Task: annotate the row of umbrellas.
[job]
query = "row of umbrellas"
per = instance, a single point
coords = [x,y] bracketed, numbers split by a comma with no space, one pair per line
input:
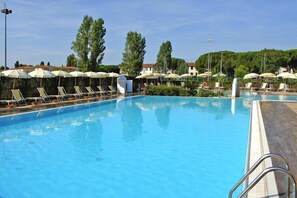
[284,75]
[40,73]
[157,75]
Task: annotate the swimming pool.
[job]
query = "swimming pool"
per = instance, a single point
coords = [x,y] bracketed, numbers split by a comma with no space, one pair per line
[132,147]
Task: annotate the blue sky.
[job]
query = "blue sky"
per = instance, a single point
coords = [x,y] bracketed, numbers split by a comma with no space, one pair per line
[40,30]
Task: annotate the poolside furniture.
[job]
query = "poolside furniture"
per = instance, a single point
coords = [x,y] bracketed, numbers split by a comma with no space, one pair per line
[270,88]
[103,91]
[80,92]
[19,98]
[217,86]
[263,87]
[92,92]
[247,86]
[43,94]
[282,87]
[112,89]
[62,92]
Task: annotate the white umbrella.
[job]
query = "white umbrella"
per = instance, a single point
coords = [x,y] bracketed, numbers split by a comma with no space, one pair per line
[102,75]
[286,75]
[186,76]
[204,75]
[77,74]
[61,73]
[92,75]
[251,75]
[40,73]
[219,75]
[173,76]
[113,75]
[267,75]
[15,73]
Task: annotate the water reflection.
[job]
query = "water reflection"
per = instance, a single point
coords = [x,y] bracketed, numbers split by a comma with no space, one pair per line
[132,121]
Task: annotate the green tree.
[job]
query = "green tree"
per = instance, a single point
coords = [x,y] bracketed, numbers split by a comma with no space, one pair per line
[164,60]
[89,43]
[42,63]
[133,55]
[240,71]
[182,67]
[109,68]
[17,64]
[48,64]
[71,60]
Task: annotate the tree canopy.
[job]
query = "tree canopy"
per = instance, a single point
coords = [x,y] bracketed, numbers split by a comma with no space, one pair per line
[164,61]
[133,55]
[267,60]
[71,60]
[89,43]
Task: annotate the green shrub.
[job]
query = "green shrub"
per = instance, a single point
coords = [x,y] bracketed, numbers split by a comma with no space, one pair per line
[209,93]
[164,90]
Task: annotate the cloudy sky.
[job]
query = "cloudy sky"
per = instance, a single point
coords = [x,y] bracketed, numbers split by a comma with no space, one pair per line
[42,30]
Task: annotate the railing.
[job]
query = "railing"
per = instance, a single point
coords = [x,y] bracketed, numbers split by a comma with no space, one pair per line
[262,174]
[256,94]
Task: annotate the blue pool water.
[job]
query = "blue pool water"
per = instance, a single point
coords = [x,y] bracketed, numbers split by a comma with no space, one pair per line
[134,147]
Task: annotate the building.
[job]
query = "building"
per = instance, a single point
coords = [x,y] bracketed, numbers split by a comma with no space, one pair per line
[147,69]
[192,69]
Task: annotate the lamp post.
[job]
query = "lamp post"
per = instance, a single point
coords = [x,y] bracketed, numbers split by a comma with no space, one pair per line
[5,11]
[209,41]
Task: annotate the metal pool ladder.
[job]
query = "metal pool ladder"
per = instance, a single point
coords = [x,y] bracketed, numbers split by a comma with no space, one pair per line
[263,173]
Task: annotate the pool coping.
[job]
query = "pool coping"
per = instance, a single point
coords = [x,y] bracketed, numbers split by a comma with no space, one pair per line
[258,146]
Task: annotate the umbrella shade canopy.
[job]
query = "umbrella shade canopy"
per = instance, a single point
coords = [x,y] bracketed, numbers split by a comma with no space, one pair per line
[219,75]
[173,76]
[92,74]
[286,75]
[61,73]
[204,75]
[267,75]
[186,76]
[78,74]
[145,76]
[16,73]
[102,74]
[113,75]
[40,73]
[251,76]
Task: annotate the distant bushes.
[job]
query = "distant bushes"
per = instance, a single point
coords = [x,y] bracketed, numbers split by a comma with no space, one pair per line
[163,90]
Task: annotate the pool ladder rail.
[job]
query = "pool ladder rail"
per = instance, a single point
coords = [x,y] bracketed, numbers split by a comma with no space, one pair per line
[285,171]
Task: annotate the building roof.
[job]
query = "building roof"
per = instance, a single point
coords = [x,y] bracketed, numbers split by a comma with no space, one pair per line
[148,65]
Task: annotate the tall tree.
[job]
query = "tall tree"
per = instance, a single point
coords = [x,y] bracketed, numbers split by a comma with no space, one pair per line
[89,43]
[42,63]
[17,64]
[48,64]
[164,61]
[133,55]
[71,60]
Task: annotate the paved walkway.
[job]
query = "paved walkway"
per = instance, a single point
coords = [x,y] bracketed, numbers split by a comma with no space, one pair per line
[280,121]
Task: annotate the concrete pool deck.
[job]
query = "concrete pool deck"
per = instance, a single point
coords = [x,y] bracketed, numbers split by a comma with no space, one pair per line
[273,129]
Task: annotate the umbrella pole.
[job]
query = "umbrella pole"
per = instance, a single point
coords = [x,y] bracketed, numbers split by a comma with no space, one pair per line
[59,81]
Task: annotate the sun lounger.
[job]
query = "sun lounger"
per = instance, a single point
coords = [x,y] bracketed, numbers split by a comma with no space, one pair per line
[62,92]
[217,86]
[102,90]
[45,96]
[112,89]
[263,87]
[19,98]
[80,92]
[91,91]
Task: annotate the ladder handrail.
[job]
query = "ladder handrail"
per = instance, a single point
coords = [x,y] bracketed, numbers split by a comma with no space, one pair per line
[256,94]
[266,171]
[258,162]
